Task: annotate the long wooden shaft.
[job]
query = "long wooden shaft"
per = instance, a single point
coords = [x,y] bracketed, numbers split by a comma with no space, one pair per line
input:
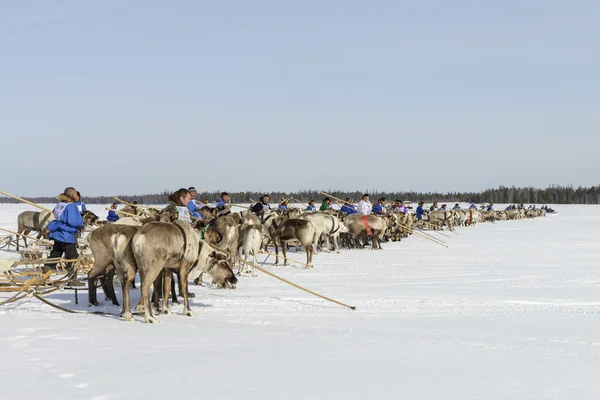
[124,213]
[423,236]
[133,205]
[282,279]
[20,234]
[433,226]
[338,199]
[303,204]
[25,201]
[285,258]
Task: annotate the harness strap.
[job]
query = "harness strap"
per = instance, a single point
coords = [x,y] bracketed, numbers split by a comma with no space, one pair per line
[333,221]
[184,240]
[365,222]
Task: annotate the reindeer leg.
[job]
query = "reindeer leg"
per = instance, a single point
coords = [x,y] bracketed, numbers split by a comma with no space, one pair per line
[148,279]
[109,287]
[184,285]
[173,291]
[167,280]
[284,251]
[126,278]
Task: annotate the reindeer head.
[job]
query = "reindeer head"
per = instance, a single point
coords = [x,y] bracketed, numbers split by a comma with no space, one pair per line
[169,214]
[221,272]
[89,218]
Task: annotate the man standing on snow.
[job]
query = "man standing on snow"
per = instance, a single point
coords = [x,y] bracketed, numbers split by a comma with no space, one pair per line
[420,211]
[63,230]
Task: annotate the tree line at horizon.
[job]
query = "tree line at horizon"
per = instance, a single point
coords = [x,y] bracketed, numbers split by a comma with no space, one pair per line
[506,195]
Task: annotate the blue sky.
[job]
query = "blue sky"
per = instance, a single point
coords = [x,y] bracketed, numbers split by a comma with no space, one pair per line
[142,96]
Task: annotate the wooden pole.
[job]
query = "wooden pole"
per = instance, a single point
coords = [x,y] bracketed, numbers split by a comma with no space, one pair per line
[25,201]
[124,213]
[420,234]
[134,205]
[431,236]
[433,226]
[441,233]
[303,204]
[285,258]
[338,199]
[46,261]
[20,234]
[282,279]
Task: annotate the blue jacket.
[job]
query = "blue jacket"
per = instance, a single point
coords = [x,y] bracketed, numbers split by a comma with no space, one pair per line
[81,206]
[311,208]
[473,207]
[220,202]
[282,207]
[194,209]
[490,208]
[112,216]
[66,225]
[348,209]
[377,208]
[420,213]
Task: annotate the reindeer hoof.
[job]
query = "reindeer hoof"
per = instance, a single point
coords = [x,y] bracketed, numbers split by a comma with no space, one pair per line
[139,308]
[190,313]
[254,275]
[286,264]
[165,311]
[127,317]
[191,295]
[150,320]
[95,304]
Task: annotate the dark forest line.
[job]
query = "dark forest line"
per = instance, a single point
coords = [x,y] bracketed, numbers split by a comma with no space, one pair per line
[527,195]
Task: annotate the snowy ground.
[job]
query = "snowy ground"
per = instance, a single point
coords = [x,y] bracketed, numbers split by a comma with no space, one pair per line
[510,311]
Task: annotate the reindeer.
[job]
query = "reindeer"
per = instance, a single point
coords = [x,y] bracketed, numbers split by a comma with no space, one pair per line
[102,245]
[33,221]
[251,238]
[175,246]
[356,226]
[295,229]
[326,226]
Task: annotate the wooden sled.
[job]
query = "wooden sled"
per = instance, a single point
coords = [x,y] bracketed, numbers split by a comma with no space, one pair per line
[25,278]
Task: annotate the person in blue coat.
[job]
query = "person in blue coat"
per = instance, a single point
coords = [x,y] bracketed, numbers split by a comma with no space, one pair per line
[491,207]
[193,204]
[283,205]
[348,207]
[112,213]
[473,206]
[420,211]
[223,200]
[311,206]
[80,204]
[379,207]
[63,230]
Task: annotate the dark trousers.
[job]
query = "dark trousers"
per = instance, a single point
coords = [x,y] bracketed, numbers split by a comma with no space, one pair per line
[68,249]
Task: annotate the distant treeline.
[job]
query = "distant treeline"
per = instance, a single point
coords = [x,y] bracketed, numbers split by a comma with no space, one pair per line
[528,195]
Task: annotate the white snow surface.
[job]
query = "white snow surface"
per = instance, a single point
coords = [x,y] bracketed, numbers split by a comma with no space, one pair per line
[510,310]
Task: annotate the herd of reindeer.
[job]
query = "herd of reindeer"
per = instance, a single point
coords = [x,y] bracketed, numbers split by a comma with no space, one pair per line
[156,244]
